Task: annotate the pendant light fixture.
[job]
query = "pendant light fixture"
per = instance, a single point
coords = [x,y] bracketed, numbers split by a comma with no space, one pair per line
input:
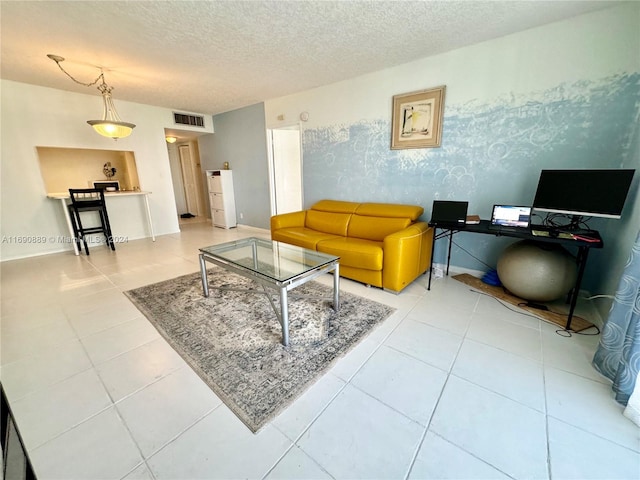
[110,126]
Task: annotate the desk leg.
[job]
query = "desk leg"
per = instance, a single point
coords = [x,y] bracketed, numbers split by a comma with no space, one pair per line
[433,247]
[582,263]
[63,202]
[449,253]
[146,205]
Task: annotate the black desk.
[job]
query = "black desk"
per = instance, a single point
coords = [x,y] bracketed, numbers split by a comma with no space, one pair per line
[583,246]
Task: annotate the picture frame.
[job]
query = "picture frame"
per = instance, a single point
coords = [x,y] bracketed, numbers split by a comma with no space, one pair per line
[417,119]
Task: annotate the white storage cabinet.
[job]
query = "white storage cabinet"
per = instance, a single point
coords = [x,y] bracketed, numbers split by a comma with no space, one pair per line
[221,198]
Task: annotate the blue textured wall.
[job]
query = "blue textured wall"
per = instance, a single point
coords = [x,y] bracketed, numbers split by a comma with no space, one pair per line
[490,153]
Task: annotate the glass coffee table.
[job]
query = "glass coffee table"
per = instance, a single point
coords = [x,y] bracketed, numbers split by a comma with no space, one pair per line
[274,265]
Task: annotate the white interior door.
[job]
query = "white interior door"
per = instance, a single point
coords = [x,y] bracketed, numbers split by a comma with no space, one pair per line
[285,169]
[189,180]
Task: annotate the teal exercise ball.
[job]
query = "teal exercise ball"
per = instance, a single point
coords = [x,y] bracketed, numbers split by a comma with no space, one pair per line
[537,271]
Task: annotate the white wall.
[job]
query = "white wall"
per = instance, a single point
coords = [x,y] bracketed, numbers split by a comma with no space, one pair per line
[520,64]
[36,116]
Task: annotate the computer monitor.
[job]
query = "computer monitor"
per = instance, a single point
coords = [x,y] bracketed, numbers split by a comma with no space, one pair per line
[591,193]
[104,184]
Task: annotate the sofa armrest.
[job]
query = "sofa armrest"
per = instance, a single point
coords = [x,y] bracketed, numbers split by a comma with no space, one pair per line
[407,254]
[287,220]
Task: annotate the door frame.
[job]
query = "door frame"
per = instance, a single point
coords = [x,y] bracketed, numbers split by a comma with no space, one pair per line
[190,195]
[271,163]
[190,162]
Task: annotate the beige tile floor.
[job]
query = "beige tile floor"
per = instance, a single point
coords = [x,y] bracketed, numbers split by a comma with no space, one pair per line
[453,385]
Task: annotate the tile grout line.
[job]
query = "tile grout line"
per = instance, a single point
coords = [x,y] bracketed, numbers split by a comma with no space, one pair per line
[145,459]
[113,404]
[435,407]
[331,400]
[546,409]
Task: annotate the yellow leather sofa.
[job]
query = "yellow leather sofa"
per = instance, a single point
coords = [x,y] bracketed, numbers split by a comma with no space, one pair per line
[379,244]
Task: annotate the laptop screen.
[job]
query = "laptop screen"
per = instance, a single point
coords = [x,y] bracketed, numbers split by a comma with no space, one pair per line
[511,216]
[449,211]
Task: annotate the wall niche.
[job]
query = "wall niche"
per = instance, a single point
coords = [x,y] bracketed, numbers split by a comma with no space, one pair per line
[65,168]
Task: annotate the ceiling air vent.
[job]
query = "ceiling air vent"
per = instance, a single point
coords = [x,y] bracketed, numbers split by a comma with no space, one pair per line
[192,120]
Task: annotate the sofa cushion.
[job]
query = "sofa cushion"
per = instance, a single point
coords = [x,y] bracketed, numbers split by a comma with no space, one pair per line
[375,228]
[390,210]
[336,206]
[354,252]
[286,220]
[327,222]
[300,236]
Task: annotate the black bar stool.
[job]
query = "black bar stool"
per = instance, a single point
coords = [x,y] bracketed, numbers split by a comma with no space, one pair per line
[89,200]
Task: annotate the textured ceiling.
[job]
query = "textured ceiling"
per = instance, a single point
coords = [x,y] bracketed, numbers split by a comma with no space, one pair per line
[215,56]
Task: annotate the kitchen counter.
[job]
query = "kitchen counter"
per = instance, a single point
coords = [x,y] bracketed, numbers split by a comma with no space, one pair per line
[63,197]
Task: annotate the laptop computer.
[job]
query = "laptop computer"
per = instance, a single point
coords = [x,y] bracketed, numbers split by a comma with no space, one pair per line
[510,218]
[447,212]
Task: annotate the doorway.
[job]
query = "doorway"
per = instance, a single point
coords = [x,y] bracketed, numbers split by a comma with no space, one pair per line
[285,169]
[188,181]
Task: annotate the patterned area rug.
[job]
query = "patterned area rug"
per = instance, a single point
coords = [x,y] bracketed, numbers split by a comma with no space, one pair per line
[233,339]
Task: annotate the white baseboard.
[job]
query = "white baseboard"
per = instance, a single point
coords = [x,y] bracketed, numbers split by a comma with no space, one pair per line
[453,270]
[261,231]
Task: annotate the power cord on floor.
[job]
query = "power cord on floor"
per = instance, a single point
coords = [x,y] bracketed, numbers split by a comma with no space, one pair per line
[570,333]
[561,331]
[593,297]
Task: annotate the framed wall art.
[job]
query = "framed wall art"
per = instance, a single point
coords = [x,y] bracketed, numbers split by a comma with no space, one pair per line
[417,119]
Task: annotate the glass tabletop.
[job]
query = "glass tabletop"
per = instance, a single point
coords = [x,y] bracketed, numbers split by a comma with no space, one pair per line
[276,260]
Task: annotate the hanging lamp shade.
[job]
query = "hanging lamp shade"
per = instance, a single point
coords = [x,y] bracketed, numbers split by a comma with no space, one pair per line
[110,126]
